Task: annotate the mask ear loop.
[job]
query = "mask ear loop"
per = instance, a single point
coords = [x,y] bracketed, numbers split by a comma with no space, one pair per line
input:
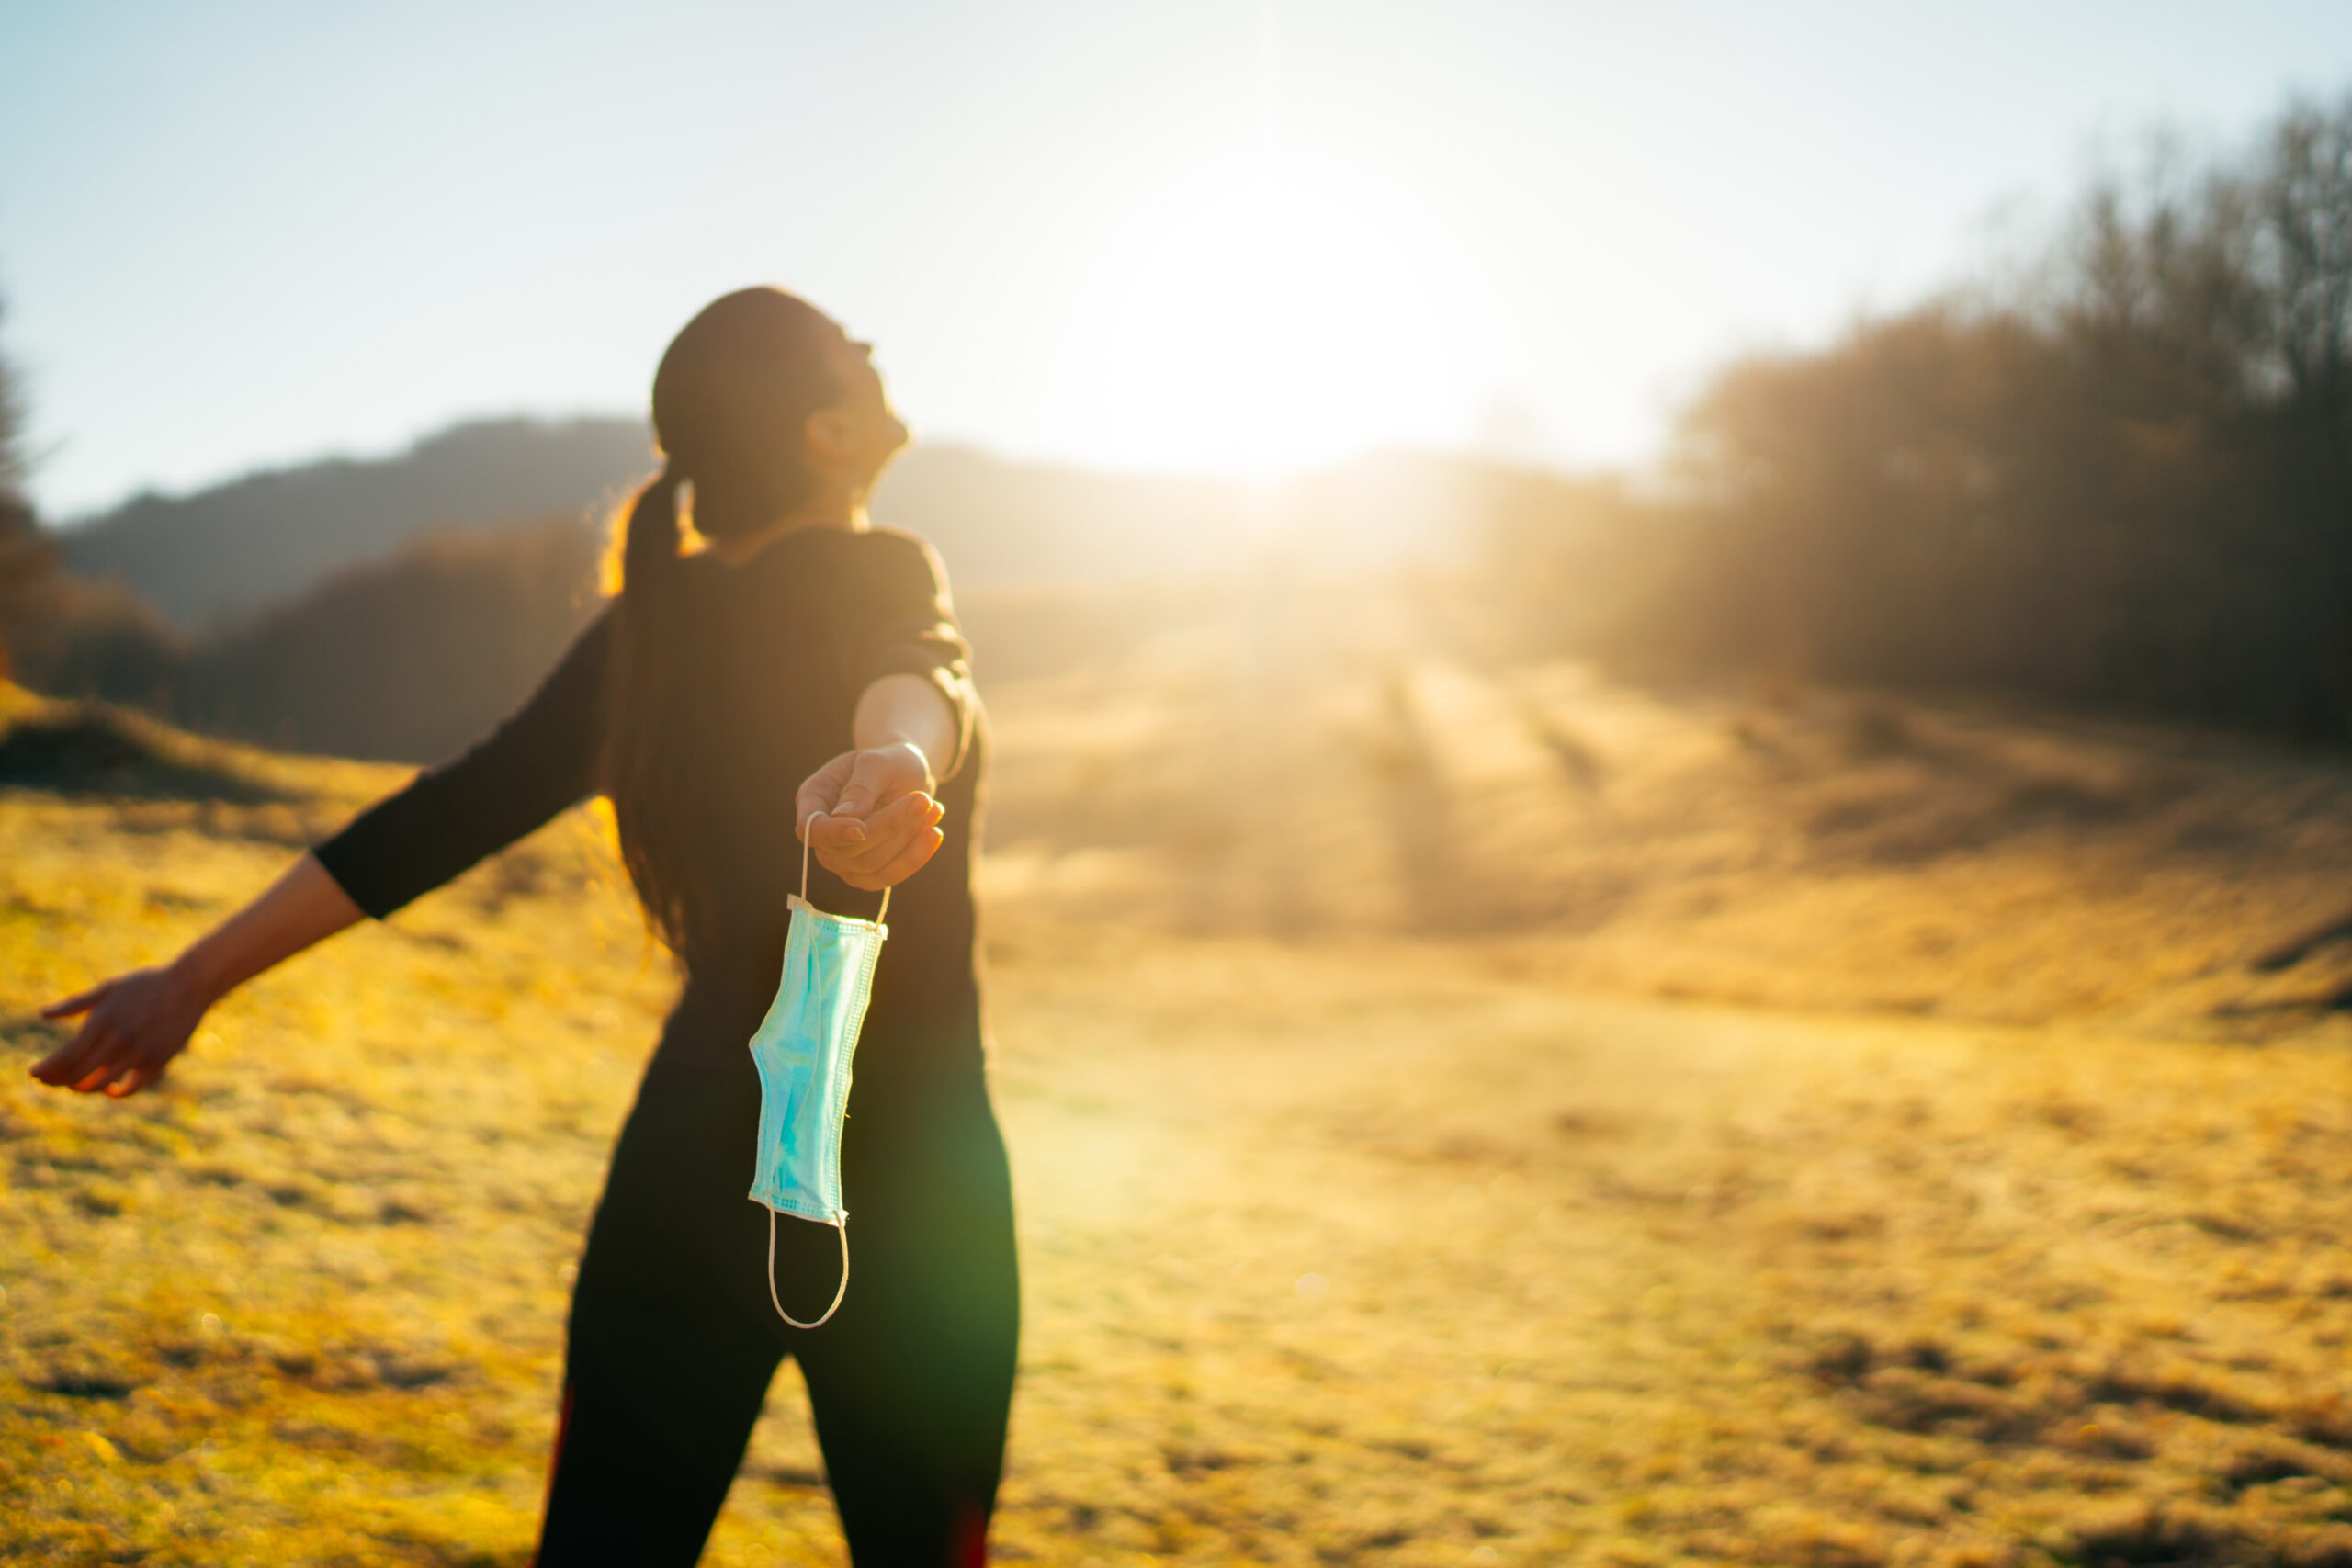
[842,1290]
[840,1229]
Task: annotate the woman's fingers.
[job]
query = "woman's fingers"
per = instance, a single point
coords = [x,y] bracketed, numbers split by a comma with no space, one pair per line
[888,831]
[131,1082]
[69,1060]
[880,777]
[132,1027]
[912,859]
[856,786]
[887,834]
[821,793]
[874,846]
[80,1002]
[93,1056]
[834,836]
[98,1076]
[112,1063]
[867,846]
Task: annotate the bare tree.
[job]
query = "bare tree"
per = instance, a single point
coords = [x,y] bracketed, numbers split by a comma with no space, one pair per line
[2304,190]
[2126,484]
[27,560]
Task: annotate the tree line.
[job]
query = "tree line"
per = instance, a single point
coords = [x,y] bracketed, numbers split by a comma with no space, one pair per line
[405,660]
[2121,481]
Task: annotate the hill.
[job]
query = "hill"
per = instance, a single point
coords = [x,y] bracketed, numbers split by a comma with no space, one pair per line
[407,660]
[220,555]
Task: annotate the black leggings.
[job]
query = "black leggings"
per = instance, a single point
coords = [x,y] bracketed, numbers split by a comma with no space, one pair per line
[673,1338]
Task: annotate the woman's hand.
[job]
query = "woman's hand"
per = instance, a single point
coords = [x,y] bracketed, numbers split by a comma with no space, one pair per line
[134,1024]
[869,816]
[131,1028]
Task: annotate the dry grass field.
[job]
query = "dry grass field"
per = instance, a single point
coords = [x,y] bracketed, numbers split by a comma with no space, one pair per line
[1462,1112]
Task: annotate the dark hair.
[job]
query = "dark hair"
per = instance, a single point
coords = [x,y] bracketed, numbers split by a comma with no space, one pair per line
[731,401]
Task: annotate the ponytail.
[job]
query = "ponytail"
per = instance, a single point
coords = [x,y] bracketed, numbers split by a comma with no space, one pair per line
[651,536]
[643,568]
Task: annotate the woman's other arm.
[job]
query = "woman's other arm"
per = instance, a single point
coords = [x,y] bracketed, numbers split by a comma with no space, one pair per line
[134,1024]
[538,763]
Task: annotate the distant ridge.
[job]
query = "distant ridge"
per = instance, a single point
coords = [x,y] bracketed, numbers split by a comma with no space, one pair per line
[221,553]
[216,557]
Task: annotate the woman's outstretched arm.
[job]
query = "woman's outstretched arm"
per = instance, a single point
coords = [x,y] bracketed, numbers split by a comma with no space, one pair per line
[870,814]
[914,716]
[134,1024]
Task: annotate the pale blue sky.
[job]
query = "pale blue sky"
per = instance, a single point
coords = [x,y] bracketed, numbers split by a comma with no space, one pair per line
[1213,234]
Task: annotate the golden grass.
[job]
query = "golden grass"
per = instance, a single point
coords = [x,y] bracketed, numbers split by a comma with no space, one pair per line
[1382,1202]
[301,1304]
[1320,761]
[1388,1262]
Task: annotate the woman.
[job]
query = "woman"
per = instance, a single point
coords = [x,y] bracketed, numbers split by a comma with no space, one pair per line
[796,645]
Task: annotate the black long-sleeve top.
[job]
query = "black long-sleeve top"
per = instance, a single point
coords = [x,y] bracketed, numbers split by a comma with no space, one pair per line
[782,646]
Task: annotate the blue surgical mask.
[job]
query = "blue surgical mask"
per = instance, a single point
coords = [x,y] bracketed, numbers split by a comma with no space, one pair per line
[802,1049]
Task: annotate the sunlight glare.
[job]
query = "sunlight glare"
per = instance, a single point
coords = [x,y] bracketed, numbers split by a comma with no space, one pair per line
[1266,316]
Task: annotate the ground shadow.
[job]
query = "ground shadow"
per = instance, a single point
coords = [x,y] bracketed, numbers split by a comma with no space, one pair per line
[95,750]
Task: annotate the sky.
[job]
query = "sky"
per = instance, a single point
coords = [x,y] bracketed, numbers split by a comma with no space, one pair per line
[1228,236]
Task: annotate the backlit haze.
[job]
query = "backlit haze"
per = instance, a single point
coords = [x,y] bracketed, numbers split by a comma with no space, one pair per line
[1226,237]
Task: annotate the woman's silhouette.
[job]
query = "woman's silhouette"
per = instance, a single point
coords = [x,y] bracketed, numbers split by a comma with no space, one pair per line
[797,646]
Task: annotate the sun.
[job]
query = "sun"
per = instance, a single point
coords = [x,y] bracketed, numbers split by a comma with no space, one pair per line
[1267,315]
